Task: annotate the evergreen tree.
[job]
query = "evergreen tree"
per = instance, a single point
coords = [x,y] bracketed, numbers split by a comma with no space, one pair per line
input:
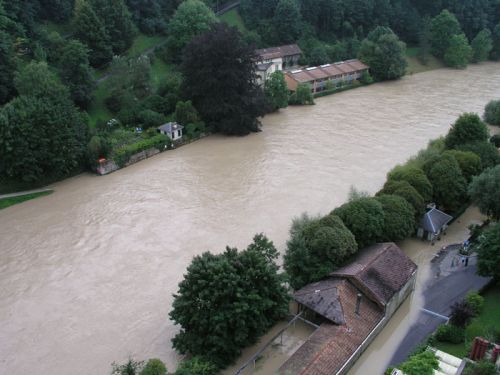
[223,87]
[58,10]
[287,21]
[276,91]
[7,68]
[481,45]
[443,27]
[495,51]
[147,15]
[459,52]
[89,29]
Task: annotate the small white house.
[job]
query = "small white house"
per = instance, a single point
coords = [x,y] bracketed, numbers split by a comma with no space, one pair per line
[172,130]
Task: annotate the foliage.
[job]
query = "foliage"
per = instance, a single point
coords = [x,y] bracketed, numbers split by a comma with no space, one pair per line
[424,44]
[443,27]
[232,106]
[287,21]
[121,155]
[492,112]
[276,91]
[315,248]
[41,131]
[150,119]
[467,128]
[147,15]
[384,53]
[420,364]
[192,18]
[488,251]
[404,190]
[97,147]
[458,53]
[364,218]
[399,218]
[469,162]
[475,301]
[185,113]
[495,140]
[303,95]
[7,68]
[481,46]
[485,192]
[485,150]
[461,314]
[495,52]
[132,367]
[415,177]
[483,367]
[450,333]
[196,366]
[227,301]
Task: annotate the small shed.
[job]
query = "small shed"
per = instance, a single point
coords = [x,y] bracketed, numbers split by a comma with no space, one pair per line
[433,223]
[171,129]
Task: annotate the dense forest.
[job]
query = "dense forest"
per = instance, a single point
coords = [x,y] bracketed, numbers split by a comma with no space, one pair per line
[86,79]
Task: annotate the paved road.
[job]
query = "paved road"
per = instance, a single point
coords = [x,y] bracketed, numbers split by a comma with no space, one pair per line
[448,286]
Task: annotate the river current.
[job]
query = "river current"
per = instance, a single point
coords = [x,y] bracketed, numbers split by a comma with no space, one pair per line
[87,274]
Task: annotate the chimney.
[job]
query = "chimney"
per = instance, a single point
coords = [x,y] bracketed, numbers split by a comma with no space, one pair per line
[358,303]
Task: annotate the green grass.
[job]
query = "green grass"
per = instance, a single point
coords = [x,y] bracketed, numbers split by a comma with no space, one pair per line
[414,64]
[144,42]
[233,18]
[98,110]
[7,202]
[159,69]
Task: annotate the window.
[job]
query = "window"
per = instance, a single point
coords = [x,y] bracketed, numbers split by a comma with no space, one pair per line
[178,133]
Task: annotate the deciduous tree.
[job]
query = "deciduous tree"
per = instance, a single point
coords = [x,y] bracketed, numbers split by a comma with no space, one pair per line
[492,112]
[485,150]
[404,190]
[485,192]
[458,53]
[399,218]
[488,250]
[469,162]
[481,46]
[276,91]
[443,27]
[415,177]
[467,128]
[287,21]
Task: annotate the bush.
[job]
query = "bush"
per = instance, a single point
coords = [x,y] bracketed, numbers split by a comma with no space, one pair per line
[302,95]
[483,367]
[420,364]
[149,119]
[475,301]
[492,112]
[122,155]
[450,333]
[461,314]
[98,147]
[154,367]
[197,366]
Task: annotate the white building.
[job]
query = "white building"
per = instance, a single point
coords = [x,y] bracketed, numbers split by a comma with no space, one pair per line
[272,59]
[172,130]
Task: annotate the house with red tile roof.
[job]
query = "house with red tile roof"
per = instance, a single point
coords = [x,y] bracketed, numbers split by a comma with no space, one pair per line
[351,307]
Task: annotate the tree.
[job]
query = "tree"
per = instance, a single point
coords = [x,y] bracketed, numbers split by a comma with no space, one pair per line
[117,22]
[315,248]
[57,10]
[458,53]
[192,18]
[485,150]
[461,314]
[185,113]
[147,15]
[318,56]
[488,250]
[404,190]
[276,91]
[443,27]
[130,368]
[399,218]
[467,128]
[364,217]
[481,45]
[492,112]
[227,301]
[495,51]
[197,366]
[415,177]
[223,88]
[76,73]
[89,29]
[485,192]
[469,162]
[154,367]
[448,182]
[287,21]
[302,95]
[7,68]
[424,44]
[420,364]
[384,53]
[42,133]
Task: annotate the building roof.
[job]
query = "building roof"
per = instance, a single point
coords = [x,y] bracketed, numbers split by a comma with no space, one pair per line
[317,73]
[330,346]
[327,70]
[323,298]
[356,64]
[434,220]
[264,67]
[380,271]
[277,52]
[169,127]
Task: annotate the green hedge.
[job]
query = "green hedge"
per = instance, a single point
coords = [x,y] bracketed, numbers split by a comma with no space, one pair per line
[123,154]
[450,333]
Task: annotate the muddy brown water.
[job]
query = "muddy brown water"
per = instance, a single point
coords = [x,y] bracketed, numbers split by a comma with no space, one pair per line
[87,274]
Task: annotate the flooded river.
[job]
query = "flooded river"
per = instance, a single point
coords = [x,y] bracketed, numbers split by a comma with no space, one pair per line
[87,274]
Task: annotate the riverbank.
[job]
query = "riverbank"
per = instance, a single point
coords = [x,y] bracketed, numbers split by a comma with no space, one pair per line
[8,200]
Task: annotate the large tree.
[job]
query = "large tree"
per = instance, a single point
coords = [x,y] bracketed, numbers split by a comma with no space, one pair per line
[485,150]
[276,91]
[399,218]
[192,18]
[404,190]
[287,21]
[89,29]
[481,45]
[488,249]
[485,192]
[443,27]
[227,301]
[495,52]
[384,53]
[223,87]
[316,247]
[458,53]
[467,128]
[42,134]
[469,162]
[364,217]
[492,112]
[415,177]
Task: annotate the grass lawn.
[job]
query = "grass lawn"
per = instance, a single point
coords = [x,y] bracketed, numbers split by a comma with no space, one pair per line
[482,325]
[414,64]
[7,202]
[144,42]
[233,18]
[159,69]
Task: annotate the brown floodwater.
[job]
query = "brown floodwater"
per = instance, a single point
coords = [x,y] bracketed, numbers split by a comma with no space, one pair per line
[87,274]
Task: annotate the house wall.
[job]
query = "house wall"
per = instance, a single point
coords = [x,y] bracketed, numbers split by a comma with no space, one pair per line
[399,297]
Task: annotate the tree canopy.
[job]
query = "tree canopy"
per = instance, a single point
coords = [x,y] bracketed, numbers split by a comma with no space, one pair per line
[481,45]
[485,192]
[492,112]
[227,301]
[276,91]
[488,249]
[404,190]
[458,53]
[469,162]
[399,218]
[415,177]
[287,21]
[467,128]
[443,27]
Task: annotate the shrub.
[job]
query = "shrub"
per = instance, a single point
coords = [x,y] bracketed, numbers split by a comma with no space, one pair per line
[150,119]
[302,95]
[475,301]
[197,366]
[122,155]
[154,367]
[98,147]
[483,367]
[420,364]
[492,112]
[467,128]
[450,333]
[461,314]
